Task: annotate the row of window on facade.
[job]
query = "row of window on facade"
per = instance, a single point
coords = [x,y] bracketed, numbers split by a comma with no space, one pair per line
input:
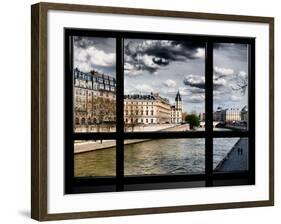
[93,121]
[93,76]
[138,103]
[92,101]
[82,92]
[137,112]
[141,121]
[96,121]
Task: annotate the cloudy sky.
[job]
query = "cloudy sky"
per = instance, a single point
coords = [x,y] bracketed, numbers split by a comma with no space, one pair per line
[230,75]
[94,53]
[170,66]
[166,67]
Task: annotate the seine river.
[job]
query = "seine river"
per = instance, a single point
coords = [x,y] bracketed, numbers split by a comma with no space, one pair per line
[163,156]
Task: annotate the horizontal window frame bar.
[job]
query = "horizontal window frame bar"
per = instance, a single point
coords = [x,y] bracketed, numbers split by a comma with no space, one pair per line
[194,38]
[230,175]
[230,134]
[139,179]
[158,135]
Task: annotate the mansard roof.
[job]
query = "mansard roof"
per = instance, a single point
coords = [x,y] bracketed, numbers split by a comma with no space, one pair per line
[151,96]
[94,76]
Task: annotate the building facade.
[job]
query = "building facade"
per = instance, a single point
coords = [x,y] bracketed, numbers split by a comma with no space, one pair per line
[218,115]
[202,116]
[227,115]
[94,104]
[94,96]
[176,110]
[232,114]
[146,109]
[244,114]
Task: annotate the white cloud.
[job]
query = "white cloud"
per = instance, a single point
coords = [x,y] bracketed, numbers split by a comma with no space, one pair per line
[133,72]
[242,74]
[147,60]
[143,88]
[170,83]
[220,82]
[235,98]
[87,59]
[223,71]
[99,57]
[130,71]
[195,80]
[83,66]
[128,66]
[200,53]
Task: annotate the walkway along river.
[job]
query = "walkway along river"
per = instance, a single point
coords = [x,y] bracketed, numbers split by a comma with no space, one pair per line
[162,156]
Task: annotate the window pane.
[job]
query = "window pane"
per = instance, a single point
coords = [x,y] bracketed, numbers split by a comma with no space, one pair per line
[95,158]
[94,84]
[230,154]
[164,85]
[164,156]
[230,83]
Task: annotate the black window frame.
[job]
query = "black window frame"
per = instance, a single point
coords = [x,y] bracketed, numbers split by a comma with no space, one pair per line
[125,183]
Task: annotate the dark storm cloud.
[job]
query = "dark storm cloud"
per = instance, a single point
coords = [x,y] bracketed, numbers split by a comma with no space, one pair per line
[198,82]
[199,85]
[194,81]
[171,50]
[151,55]
[160,61]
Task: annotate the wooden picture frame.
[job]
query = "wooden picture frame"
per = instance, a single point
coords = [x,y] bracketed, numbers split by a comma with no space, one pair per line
[39,109]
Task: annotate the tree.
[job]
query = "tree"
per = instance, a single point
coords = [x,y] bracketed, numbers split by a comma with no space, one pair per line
[241,83]
[193,120]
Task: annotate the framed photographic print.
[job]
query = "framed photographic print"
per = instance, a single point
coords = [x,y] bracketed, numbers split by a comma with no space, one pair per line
[138,111]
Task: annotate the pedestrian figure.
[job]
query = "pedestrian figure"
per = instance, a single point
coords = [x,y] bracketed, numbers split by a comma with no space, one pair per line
[241,151]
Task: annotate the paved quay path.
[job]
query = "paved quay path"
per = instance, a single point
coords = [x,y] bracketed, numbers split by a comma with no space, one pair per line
[235,160]
[88,146]
[104,144]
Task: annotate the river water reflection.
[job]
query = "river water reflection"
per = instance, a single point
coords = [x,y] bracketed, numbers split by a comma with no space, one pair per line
[162,156]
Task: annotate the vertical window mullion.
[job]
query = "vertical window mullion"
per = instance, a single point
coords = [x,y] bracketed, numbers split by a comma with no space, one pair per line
[251,111]
[120,114]
[68,119]
[209,113]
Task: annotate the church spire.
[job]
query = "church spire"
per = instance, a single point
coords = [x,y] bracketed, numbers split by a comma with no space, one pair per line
[178,96]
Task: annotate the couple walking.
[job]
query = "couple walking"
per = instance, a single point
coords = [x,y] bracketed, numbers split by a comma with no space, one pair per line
[240,151]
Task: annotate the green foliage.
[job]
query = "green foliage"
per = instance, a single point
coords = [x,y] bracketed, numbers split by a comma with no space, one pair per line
[193,120]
